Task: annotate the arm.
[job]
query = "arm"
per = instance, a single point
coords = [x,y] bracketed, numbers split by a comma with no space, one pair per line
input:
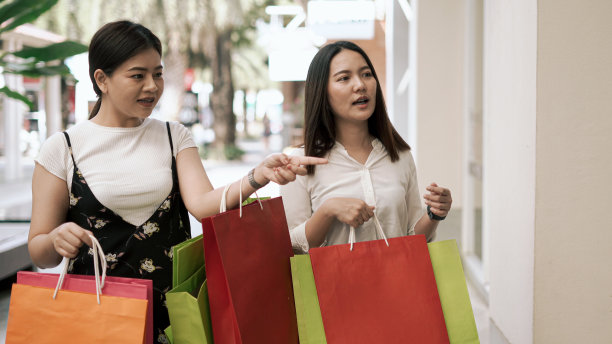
[439,200]
[50,237]
[202,200]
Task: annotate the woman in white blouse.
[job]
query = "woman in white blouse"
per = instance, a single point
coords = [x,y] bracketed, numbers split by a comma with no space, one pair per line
[370,170]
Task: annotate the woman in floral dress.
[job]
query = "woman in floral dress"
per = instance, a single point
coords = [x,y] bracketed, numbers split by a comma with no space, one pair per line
[126,178]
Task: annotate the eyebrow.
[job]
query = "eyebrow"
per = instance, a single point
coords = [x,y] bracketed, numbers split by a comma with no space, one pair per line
[348,71]
[143,69]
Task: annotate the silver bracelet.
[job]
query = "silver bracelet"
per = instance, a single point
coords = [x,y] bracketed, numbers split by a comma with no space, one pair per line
[252,181]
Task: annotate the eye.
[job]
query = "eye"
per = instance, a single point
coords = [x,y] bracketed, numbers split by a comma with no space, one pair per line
[343,78]
[158,75]
[137,76]
[368,74]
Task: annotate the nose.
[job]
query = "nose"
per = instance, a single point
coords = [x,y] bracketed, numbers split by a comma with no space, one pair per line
[359,85]
[150,84]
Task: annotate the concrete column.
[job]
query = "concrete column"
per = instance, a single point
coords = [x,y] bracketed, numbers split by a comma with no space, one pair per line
[13,122]
[53,106]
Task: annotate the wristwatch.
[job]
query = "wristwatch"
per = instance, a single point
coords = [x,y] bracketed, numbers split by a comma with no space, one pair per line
[252,180]
[434,216]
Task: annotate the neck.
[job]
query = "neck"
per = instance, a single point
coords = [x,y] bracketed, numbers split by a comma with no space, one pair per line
[108,118]
[354,136]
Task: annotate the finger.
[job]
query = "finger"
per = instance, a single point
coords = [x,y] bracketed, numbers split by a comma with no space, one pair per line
[438,212]
[439,190]
[302,171]
[278,178]
[62,252]
[82,235]
[308,160]
[370,211]
[286,174]
[438,205]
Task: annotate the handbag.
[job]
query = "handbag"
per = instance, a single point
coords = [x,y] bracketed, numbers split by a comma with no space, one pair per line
[68,316]
[247,253]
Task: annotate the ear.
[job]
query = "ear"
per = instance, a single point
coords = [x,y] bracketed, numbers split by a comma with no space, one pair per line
[101,80]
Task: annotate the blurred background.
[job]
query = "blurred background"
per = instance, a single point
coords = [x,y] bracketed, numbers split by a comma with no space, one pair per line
[507,103]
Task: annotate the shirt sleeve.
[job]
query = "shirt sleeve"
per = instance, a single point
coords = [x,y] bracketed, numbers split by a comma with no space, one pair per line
[181,136]
[298,209]
[413,197]
[54,156]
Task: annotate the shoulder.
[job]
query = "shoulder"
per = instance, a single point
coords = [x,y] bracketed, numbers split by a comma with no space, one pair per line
[53,144]
[297,151]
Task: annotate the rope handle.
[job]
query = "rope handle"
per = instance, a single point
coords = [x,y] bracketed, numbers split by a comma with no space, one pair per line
[98,257]
[379,231]
[223,204]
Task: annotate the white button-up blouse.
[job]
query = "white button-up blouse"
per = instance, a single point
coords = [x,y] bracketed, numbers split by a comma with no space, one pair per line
[391,186]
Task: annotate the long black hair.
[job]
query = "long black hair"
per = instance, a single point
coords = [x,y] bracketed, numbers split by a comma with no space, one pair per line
[319,124]
[113,44]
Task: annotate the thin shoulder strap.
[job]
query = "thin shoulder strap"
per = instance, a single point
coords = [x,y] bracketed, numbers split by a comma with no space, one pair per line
[69,147]
[170,138]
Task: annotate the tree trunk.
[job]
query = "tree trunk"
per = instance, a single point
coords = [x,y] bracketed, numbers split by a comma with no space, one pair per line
[222,97]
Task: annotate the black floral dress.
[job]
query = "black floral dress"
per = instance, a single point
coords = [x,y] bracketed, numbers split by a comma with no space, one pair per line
[143,251]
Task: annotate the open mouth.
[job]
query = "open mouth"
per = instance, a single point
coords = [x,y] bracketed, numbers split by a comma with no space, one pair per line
[361,101]
[149,100]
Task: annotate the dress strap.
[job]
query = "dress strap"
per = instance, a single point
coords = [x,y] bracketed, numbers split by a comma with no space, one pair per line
[70,147]
[170,138]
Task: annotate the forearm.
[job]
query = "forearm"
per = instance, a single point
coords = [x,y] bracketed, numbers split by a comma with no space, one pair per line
[208,203]
[318,226]
[42,252]
[426,226]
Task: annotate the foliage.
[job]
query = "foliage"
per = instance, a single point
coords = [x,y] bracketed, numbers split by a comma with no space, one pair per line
[32,61]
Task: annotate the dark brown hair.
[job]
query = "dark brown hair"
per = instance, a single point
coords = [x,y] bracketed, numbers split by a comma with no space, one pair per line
[319,124]
[113,44]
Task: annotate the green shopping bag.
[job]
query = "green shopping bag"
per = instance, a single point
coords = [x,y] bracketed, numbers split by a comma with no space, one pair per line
[452,288]
[189,312]
[187,258]
[168,332]
[310,323]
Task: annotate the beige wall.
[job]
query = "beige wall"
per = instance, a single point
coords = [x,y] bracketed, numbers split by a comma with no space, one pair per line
[509,163]
[439,111]
[573,239]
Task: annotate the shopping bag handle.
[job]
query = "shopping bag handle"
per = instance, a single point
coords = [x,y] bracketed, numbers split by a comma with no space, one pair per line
[379,230]
[223,205]
[99,257]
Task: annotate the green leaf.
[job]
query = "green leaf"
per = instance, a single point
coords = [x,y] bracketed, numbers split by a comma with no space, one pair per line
[20,12]
[33,71]
[57,51]
[16,95]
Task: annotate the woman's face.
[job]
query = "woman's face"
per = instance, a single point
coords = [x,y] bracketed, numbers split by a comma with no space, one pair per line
[134,88]
[351,87]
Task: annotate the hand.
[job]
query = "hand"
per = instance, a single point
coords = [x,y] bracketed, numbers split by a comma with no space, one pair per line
[438,199]
[68,238]
[282,169]
[352,211]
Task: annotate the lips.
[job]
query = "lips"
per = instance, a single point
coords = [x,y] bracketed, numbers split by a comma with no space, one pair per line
[361,101]
[148,100]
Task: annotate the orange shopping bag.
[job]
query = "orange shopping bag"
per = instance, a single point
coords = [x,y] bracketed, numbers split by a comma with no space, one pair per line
[44,315]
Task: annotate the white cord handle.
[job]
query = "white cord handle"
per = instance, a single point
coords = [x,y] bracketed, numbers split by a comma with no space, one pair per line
[99,257]
[223,205]
[379,231]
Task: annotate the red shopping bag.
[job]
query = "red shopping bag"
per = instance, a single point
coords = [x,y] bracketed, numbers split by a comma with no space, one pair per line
[376,293]
[113,286]
[249,275]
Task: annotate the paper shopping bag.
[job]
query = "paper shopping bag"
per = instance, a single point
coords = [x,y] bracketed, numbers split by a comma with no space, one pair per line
[73,317]
[189,311]
[249,275]
[113,286]
[308,312]
[378,293]
[453,291]
[187,258]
